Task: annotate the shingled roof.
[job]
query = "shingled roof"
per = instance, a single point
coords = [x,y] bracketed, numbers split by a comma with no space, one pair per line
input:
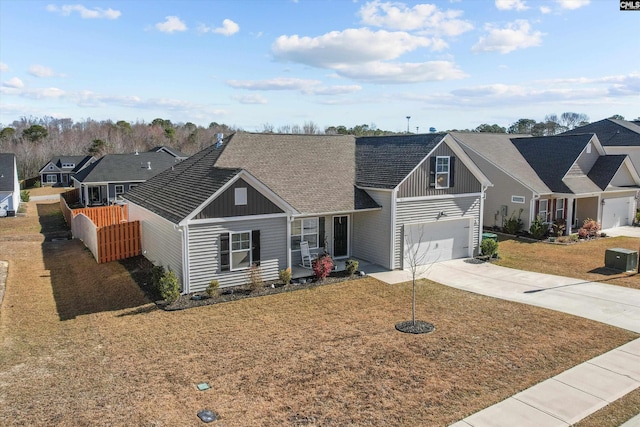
[605,169]
[551,157]
[126,167]
[384,161]
[77,161]
[312,173]
[7,170]
[612,132]
[175,193]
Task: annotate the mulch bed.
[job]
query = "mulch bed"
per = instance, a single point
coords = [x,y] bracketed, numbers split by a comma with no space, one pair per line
[140,270]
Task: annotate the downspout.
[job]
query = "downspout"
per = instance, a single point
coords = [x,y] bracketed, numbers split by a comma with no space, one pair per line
[483,196]
[184,230]
[288,245]
[532,209]
[394,197]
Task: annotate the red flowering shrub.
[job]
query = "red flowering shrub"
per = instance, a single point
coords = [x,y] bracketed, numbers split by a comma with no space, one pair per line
[589,229]
[322,266]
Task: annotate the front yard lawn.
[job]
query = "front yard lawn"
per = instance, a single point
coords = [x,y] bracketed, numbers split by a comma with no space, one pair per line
[80,345]
[582,260]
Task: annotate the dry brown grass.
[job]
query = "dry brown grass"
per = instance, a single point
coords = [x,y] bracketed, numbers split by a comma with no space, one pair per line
[80,345]
[46,190]
[583,260]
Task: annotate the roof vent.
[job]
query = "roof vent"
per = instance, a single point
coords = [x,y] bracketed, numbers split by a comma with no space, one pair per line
[149,165]
[219,137]
[136,152]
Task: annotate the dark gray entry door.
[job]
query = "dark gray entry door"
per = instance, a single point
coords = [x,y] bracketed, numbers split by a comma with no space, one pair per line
[340,236]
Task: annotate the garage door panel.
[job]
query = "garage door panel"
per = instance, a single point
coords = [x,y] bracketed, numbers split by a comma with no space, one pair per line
[427,243]
[616,212]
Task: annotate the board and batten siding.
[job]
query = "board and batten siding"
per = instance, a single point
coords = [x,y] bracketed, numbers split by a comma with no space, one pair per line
[416,211]
[161,240]
[204,246]
[372,231]
[224,205]
[417,183]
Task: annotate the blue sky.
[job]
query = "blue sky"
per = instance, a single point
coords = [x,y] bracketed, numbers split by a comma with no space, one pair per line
[246,63]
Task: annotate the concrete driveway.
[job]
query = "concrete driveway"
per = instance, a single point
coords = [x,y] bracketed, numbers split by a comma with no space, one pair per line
[610,304]
[626,230]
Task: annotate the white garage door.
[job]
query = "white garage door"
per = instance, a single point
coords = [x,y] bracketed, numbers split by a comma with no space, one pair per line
[430,242]
[617,212]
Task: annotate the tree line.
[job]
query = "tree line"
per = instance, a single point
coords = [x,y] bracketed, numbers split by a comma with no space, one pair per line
[36,140]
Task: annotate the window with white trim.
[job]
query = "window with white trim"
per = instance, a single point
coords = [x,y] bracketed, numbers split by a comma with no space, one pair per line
[240,195]
[52,179]
[240,250]
[304,229]
[442,171]
[543,210]
[119,189]
[517,199]
[559,208]
[68,165]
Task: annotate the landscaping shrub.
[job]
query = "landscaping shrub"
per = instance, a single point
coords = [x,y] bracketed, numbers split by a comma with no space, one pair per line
[589,229]
[322,266]
[24,196]
[489,247]
[638,217]
[351,266]
[559,226]
[37,184]
[157,271]
[169,287]
[255,278]
[285,275]
[213,289]
[513,225]
[538,229]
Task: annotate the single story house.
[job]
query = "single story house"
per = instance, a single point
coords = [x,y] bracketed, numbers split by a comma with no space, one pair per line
[104,181]
[9,184]
[250,199]
[567,177]
[59,170]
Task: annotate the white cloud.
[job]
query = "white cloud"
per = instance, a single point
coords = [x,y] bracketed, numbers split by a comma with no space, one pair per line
[41,71]
[251,99]
[96,13]
[171,24]
[424,17]
[4,67]
[13,83]
[334,90]
[511,5]
[384,72]
[351,46]
[572,4]
[37,93]
[273,84]
[516,35]
[545,9]
[228,28]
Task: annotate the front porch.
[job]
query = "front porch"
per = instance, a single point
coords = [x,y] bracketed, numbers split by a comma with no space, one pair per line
[299,272]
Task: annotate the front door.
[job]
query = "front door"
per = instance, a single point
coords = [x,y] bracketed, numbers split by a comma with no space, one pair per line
[340,236]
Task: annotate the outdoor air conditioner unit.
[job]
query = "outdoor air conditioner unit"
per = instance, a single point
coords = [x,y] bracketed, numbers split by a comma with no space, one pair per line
[621,259]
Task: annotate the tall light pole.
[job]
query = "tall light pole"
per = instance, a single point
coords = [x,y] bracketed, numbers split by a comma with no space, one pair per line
[408,118]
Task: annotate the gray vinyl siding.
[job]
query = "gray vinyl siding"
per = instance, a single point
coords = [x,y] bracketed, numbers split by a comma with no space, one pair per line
[417,184]
[504,187]
[417,211]
[584,163]
[204,260]
[160,239]
[372,231]
[224,205]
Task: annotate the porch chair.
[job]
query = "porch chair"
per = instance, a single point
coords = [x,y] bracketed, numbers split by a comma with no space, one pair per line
[307,255]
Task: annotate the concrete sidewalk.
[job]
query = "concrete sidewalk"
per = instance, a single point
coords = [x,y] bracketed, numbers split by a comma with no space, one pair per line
[578,392]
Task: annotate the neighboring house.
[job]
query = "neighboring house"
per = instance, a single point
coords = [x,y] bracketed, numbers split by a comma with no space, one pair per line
[59,170]
[565,177]
[252,198]
[9,185]
[175,153]
[616,136]
[108,178]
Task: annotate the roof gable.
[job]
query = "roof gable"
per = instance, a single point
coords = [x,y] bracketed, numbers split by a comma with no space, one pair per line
[385,161]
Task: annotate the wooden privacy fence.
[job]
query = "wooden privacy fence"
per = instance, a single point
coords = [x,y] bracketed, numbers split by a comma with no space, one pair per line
[104,230]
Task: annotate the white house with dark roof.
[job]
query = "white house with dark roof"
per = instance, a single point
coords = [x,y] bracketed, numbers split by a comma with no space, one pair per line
[253,198]
[568,177]
[9,184]
[104,181]
[60,170]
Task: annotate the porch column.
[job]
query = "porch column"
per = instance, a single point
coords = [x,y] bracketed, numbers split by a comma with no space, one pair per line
[569,221]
